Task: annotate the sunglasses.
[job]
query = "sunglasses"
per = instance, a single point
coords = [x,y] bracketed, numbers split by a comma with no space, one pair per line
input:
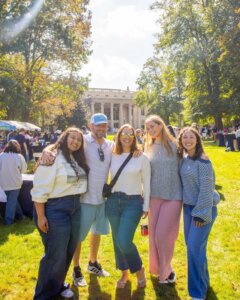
[101,154]
[124,134]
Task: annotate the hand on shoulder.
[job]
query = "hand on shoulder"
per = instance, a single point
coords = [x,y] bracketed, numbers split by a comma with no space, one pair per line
[205,157]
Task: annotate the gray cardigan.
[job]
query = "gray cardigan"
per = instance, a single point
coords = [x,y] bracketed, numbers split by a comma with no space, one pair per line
[165,178]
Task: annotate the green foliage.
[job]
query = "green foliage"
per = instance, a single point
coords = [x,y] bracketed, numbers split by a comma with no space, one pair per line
[200,40]
[35,63]
[160,88]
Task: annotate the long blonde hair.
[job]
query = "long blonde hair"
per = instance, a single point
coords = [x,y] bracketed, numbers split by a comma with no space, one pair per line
[166,138]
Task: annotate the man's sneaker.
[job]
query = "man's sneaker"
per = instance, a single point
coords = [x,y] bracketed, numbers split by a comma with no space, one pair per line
[78,278]
[66,291]
[172,277]
[96,268]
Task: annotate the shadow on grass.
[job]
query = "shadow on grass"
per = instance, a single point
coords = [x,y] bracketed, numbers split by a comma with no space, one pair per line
[164,291]
[125,293]
[94,290]
[23,227]
[211,294]
[219,188]
[138,294]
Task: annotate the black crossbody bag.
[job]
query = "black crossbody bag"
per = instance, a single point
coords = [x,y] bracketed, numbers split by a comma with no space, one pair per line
[107,188]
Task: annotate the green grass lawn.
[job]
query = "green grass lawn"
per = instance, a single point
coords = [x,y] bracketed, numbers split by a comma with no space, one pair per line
[21,250]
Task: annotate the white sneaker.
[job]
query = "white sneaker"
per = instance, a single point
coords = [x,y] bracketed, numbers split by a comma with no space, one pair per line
[67,293]
[78,278]
[96,268]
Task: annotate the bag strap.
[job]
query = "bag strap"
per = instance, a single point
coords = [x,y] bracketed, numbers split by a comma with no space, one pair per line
[115,178]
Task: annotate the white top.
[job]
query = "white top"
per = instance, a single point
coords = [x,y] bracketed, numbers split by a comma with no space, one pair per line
[237,133]
[134,178]
[98,173]
[11,167]
[57,180]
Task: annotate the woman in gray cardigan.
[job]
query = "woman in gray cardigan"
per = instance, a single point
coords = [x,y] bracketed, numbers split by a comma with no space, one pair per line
[165,200]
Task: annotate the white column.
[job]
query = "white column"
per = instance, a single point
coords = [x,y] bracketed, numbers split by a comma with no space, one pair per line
[102,108]
[111,115]
[92,108]
[139,117]
[130,114]
[120,114]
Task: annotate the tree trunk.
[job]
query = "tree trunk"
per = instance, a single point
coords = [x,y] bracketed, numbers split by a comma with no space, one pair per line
[218,122]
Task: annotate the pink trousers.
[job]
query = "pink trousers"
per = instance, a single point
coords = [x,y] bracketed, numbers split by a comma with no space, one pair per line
[164,219]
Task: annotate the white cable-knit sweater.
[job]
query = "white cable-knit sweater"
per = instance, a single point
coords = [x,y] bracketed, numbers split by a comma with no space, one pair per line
[57,180]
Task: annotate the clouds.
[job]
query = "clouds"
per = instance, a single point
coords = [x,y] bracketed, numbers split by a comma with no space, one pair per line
[126,22]
[112,72]
[122,33]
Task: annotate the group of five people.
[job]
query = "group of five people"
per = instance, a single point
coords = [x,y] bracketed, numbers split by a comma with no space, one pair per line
[153,184]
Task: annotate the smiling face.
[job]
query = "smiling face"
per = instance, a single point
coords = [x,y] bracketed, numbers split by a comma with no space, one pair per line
[154,129]
[126,138]
[99,131]
[74,141]
[189,142]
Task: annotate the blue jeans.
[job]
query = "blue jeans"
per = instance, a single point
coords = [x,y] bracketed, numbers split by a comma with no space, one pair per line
[12,207]
[196,239]
[63,215]
[124,213]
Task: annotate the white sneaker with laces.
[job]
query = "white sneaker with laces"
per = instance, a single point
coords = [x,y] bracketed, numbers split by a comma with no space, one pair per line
[96,268]
[79,281]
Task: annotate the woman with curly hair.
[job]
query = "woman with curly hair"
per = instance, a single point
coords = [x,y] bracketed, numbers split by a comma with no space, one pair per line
[56,194]
[200,209]
[12,165]
[165,201]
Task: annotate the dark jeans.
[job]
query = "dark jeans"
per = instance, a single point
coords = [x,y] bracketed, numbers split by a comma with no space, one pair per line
[12,207]
[63,215]
[124,213]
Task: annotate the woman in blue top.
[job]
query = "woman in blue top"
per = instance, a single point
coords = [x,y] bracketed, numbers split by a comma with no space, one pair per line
[200,209]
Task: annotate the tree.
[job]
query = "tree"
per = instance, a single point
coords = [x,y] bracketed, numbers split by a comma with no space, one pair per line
[54,44]
[195,30]
[160,88]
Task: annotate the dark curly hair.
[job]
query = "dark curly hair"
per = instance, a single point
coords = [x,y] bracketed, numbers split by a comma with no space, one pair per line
[13,147]
[199,150]
[79,155]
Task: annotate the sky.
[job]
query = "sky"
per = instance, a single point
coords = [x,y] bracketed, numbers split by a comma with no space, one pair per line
[122,36]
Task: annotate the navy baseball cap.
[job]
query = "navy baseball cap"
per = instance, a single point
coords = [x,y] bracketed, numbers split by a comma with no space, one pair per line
[98,119]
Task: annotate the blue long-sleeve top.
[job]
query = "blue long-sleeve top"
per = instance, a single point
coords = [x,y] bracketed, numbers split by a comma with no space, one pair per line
[198,187]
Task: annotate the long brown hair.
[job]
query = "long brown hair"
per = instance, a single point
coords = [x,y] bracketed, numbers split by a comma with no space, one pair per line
[79,155]
[166,138]
[118,149]
[199,150]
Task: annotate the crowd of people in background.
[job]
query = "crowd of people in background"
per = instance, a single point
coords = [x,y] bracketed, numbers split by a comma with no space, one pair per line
[160,170]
